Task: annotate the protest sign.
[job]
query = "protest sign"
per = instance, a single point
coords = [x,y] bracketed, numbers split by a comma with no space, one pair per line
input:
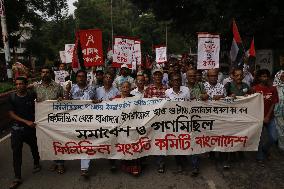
[62,56]
[208,51]
[131,128]
[60,76]
[69,49]
[137,57]
[123,51]
[161,54]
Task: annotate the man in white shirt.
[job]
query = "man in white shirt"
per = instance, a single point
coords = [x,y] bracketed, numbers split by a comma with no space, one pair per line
[107,91]
[177,92]
[140,83]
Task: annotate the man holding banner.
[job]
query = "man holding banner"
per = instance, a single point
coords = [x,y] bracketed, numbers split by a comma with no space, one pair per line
[47,89]
[23,128]
[81,91]
[157,90]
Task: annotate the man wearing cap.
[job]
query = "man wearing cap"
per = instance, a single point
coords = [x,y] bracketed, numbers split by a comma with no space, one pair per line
[124,76]
[157,89]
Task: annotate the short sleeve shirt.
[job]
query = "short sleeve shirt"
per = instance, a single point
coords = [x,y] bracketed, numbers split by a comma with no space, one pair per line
[88,93]
[217,89]
[50,92]
[152,91]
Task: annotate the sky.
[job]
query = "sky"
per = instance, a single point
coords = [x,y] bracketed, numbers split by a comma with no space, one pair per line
[70,6]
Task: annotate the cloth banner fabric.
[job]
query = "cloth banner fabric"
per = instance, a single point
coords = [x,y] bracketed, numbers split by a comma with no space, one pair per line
[122,51]
[92,47]
[131,128]
[69,49]
[161,54]
[208,51]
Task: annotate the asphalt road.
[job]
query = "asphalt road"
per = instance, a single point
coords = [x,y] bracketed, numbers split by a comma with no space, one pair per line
[243,174]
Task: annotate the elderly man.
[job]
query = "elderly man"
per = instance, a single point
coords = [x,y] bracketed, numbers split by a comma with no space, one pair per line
[81,91]
[140,83]
[214,89]
[157,89]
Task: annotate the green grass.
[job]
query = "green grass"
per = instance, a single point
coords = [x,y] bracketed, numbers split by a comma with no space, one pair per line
[6,86]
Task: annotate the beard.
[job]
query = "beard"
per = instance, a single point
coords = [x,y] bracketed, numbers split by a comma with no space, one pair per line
[46,78]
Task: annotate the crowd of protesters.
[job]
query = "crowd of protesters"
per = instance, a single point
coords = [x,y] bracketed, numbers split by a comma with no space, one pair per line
[176,79]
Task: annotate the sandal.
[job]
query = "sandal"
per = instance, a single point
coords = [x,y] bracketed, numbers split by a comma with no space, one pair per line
[37,168]
[60,169]
[53,167]
[85,174]
[15,184]
[161,168]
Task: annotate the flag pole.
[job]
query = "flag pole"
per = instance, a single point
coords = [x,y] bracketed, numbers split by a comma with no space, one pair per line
[166,36]
[5,40]
[111,20]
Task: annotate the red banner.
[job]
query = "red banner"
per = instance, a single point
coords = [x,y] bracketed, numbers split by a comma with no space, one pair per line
[92,48]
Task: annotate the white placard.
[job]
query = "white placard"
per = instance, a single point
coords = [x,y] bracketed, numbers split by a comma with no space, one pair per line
[208,51]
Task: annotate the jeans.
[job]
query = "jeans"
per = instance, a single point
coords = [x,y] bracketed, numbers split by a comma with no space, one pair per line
[18,137]
[264,146]
[193,158]
[85,163]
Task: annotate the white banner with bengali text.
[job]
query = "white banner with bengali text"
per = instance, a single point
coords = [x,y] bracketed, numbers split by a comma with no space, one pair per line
[131,128]
[123,50]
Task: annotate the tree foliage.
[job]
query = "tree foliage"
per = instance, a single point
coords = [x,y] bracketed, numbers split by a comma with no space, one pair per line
[127,21]
[260,18]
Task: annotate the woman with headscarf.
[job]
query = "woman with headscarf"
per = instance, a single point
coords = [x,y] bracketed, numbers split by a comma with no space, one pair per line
[279,108]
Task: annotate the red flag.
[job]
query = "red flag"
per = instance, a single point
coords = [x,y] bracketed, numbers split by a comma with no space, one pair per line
[236,52]
[236,33]
[92,48]
[252,49]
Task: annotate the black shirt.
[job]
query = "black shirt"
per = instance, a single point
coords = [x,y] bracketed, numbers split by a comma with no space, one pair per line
[23,107]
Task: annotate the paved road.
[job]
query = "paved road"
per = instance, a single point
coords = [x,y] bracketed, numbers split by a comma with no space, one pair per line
[244,174]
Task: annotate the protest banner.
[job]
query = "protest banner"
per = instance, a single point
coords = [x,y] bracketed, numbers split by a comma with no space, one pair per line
[137,56]
[62,56]
[264,59]
[123,51]
[92,48]
[131,128]
[60,76]
[69,49]
[208,51]
[161,54]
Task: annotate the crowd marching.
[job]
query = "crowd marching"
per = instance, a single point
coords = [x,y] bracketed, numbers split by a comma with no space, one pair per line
[175,79]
